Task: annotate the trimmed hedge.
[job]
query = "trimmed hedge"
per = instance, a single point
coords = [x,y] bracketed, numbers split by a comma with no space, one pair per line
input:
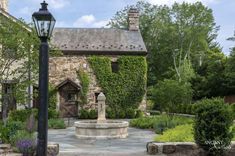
[125,88]
[212,128]
[56,124]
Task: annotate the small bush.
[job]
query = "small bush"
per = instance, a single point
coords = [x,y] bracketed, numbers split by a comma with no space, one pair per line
[130,113]
[120,114]
[21,134]
[56,124]
[52,114]
[22,115]
[182,133]
[110,113]
[84,114]
[139,114]
[11,128]
[26,146]
[93,114]
[212,129]
[159,123]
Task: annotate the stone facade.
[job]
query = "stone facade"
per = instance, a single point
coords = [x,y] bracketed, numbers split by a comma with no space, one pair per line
[66,67]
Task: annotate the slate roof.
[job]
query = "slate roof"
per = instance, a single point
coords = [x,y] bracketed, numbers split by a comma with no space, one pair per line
[98,41]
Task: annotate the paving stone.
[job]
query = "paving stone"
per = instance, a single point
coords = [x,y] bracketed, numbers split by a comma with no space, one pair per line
[134,144]
[168,149]
[5,146]
[152,148]
[52,149]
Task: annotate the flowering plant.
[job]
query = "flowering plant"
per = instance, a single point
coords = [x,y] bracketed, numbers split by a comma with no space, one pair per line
[26,146]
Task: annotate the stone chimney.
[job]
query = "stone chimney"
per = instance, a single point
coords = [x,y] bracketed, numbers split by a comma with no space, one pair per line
[4,5]
[133,19]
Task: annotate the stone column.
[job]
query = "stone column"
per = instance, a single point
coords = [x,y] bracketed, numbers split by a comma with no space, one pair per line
[101,107]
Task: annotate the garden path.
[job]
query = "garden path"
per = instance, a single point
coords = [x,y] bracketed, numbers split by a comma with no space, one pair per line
[134,145]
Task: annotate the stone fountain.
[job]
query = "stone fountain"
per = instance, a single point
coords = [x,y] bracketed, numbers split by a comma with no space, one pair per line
[101,128]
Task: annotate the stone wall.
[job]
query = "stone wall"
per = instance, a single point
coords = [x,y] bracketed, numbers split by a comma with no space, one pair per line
[62,68]
[66,67]
[181,149]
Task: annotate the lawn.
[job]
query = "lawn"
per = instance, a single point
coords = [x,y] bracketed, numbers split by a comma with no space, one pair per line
[181,133]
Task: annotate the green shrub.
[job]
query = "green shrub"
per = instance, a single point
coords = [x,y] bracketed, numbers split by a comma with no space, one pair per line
[110,113]
[212,129]
[130,113]
[120,114]
[181,133]
[52,114]
[233,109]
[170,93]
[52,97]
[11,128]
[159,123]
[19,135]
[125,88]
[22,115]
[139,114]
[93,114]
[84,114]
[56,124]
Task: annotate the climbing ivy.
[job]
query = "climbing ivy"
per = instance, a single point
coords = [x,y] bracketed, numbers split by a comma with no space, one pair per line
[125,88]
[84,78]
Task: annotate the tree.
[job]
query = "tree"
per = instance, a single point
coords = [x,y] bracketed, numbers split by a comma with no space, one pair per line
[18,54]
[175,36]
[168,94]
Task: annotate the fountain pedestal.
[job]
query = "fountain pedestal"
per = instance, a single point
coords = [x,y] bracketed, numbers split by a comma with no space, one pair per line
[101,128]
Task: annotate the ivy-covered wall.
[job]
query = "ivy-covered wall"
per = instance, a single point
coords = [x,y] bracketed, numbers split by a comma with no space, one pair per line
[125,88]
[84,78]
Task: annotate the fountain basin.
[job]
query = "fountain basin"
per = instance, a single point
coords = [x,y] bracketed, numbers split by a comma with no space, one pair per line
[109,129]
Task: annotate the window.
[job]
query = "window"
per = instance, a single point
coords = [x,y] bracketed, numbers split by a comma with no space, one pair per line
[115,67]
[72,97]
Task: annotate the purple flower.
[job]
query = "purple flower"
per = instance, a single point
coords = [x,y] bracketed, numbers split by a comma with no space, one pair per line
[26,145]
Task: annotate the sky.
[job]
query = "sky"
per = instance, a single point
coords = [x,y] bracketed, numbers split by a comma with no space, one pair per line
[97,13]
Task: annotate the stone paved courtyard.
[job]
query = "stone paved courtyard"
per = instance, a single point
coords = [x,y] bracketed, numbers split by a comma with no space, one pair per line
[135,144]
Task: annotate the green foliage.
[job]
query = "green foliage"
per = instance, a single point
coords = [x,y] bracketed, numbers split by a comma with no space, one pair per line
[18,43]
[19,135]
[186,30]
[185,109]
[93,114]
[88,114]
[212,128]
[22,115]
[126,88]
[84,78]
[8,131]
[170,93]
[159,123]
[139,114]
[56,124]
[181,133]
[84,114]
[52,114]
[130,113]
[110,113]
[52,97]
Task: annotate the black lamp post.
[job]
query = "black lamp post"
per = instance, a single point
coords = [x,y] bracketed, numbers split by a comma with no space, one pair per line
[44,23]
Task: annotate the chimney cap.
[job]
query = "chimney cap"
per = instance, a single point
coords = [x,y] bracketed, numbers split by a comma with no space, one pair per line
[133,10]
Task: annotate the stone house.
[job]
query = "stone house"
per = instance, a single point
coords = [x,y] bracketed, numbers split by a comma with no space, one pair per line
[77,44]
